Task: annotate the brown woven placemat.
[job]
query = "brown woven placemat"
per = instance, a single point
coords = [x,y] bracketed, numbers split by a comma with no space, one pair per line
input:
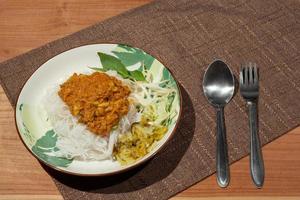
[186,35]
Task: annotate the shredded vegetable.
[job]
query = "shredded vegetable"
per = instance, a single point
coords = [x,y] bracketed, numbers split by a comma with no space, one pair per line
[155,105]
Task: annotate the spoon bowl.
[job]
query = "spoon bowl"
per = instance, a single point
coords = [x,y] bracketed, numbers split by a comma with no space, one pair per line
[218,83]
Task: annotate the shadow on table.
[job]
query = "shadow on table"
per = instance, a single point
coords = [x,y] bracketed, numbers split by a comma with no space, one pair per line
[146,174]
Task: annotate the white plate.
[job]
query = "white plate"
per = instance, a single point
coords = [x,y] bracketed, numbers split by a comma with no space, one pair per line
[31,118]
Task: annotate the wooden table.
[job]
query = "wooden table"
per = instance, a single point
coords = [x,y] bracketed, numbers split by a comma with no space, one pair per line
[25,25]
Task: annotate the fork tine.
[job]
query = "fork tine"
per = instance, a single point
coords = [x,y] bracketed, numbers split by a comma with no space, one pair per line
[241,75]
[255,74]
[249,89]
[250,67]
[246,75]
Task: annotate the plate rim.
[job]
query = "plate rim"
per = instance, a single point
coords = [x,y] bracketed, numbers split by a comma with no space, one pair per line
[134,165]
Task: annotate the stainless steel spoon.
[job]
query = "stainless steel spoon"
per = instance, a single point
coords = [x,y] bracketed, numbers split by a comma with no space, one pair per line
[218,87]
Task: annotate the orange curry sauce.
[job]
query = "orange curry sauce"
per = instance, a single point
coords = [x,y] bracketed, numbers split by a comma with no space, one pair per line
[98,100]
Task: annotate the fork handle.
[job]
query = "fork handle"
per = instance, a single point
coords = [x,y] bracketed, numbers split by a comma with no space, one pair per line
[222,155]
[256,159]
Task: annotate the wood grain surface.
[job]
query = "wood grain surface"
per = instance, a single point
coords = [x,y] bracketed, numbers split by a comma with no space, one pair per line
[25,25]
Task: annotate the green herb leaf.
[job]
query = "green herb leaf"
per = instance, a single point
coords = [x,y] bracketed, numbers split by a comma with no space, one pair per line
[98,69]
[112,63]
[137,75]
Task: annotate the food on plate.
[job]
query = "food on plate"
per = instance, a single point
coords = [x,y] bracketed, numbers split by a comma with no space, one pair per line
[138,142]
[110,114]
[98,100]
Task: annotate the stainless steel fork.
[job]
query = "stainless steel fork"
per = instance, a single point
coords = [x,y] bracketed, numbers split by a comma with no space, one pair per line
[249,89]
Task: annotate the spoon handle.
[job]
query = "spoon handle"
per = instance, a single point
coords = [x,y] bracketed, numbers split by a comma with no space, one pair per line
[256,159]
[222,155]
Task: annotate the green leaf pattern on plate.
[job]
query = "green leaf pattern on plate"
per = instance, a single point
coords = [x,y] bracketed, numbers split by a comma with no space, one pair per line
[25,131]
[45,146]
[130,56]
[27,134]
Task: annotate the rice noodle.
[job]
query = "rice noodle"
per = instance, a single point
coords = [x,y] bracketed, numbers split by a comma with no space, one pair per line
[74,139]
